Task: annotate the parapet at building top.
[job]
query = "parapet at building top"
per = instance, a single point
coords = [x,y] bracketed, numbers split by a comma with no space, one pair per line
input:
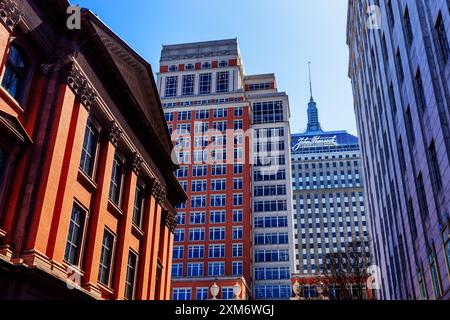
[197,50]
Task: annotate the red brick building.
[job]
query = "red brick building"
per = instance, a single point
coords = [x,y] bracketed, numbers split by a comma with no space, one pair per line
[87,190]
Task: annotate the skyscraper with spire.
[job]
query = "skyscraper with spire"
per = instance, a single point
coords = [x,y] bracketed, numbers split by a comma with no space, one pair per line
[328,198]
[313,113]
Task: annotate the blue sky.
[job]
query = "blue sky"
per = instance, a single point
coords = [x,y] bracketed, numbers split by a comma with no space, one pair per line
[275,36]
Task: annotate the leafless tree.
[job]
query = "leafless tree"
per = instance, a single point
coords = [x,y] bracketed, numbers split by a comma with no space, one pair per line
[347,268]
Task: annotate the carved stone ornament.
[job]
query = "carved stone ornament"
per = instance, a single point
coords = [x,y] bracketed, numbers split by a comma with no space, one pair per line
[115,132]
[78,82]
[159,192]
[10,13]
[137,163]
[171,221]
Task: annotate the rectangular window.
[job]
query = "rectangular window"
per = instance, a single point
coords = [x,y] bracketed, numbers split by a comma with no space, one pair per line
[238,184]
[178,253]
[222,82]
[179,235]
[238,233]
[197,234]
[216,217]
[238,216]
[409,126]
[195,270]
[421,195]
[75,236]
[268,112]
[407,26]
[238,250]
[131,276]
[181,294]
[168,116]
[442,38]
[177,270]
[184,115]
[196,252]
[217,234]
[188,85]
[138,209]
[422,102]
[238,268]
[218,185]
[238,112]
[104,270]
[197,218]
[434,163]
[198,186]
[205,83]
[202,114]
[422,284]
[199,171]
[171,86]
[115,187]
[89,150]
[220,113]
[202,294]
[217,251]
[412,219]
[218,200]
[399,65]
[216,269]
[435,274]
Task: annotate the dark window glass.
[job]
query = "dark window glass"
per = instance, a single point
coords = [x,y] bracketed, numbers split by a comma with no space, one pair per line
[222,82]
[435,171]
[131,276]
[138,205]
[171,86]
[421,101]
[408,28]
[89,149]
[15,73]
[409,126]
[75,236]
[399,65]
[442,38]
[116,181]
[104,270]
[205,83]
[422,196]
[188,85]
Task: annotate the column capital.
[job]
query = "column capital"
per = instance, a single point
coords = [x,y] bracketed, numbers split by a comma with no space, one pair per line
[80,84]
[10,14]
[159,192]
[170,220]
[137,162]
[114,132]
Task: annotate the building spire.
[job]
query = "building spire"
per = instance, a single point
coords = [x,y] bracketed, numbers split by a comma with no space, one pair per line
[313,112]
[310,81]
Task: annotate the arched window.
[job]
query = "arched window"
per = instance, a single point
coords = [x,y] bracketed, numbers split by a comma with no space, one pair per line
[14,79]
[223,63]
[206,65]
[173,68]
[189,66]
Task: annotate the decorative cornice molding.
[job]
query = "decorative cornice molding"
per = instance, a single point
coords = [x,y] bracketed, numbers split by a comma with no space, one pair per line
[10,14]
[79,83]
[171,221]
[137,163]
[114,133]
[159,192]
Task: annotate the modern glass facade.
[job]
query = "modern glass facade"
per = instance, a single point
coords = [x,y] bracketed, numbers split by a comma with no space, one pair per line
[400,69]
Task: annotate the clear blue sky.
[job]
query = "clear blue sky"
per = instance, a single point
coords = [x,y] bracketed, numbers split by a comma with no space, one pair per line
[275,36]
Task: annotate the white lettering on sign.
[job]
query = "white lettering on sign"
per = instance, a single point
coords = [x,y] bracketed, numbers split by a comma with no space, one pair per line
[315,142]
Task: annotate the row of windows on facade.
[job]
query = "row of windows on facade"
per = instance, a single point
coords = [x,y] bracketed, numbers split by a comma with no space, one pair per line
[215,217]
[204,84]
[219,233]
[203,102]
[78,221]
[215,269]
[418,88]
[191,66]
[185,294]
[203,114]
[218,250]
[307,166]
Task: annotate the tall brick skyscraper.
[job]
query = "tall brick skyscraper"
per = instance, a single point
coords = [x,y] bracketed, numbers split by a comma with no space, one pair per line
[400,70]
[232,142]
